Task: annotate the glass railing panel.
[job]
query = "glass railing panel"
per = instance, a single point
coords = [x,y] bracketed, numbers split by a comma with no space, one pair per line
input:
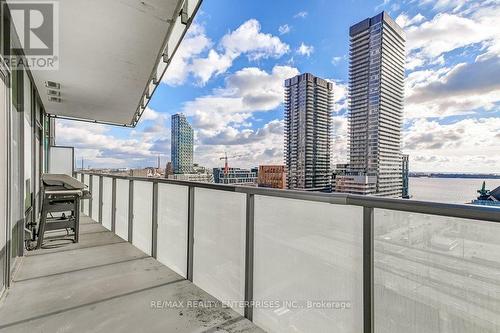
[219,246]
[143,216]
[107,201]
[436,274]
[86,203]
[122,199]
[95,198]
[308,273]
[172,227]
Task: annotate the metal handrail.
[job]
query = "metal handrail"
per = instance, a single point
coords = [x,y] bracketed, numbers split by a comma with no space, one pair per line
[369,204]
[474,212]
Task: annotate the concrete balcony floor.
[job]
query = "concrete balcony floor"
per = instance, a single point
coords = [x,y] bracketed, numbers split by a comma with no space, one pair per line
[104,284]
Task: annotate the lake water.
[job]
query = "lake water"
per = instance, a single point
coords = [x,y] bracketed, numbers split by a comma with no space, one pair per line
[448,190]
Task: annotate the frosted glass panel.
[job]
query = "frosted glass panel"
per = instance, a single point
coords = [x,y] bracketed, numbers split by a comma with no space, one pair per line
[143,216]
[307,252]
[172,227]
[107,201]
[436,274]
[86,203]
[219,246]
[95,198]
[61,160]
[121,218]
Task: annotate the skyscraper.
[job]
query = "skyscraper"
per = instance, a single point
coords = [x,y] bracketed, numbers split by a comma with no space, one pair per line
[181,144]
[308,108]
[376,91]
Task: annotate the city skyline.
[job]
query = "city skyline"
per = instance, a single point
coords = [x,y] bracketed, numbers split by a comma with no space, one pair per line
[446,121]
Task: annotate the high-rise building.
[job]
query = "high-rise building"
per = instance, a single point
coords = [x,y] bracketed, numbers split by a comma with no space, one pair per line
[376,89]
[273,176]
[308,109]
[406,173]
[182,144]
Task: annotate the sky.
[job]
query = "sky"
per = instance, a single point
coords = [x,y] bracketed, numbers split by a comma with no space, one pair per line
[228,75]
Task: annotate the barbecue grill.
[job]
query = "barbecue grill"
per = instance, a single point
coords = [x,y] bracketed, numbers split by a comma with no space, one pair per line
[61,205]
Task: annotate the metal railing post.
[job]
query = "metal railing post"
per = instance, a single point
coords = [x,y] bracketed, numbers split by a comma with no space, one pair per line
[154,239]
[249,253]
[130,210]
[190,234]
[82,202]
[368,267]
[101,201]
[113,205]
[91,189]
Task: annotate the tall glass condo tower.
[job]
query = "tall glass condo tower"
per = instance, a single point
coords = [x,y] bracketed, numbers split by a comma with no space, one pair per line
[182,144]
[376,90]
[308,112]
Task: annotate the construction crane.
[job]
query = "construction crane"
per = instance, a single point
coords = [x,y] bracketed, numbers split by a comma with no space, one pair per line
[226,165]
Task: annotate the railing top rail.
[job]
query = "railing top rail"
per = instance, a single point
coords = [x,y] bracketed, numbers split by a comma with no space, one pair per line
[465,211]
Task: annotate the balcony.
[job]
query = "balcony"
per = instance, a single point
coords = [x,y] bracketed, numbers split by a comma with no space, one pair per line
[177,256]
[310,262]
[103,283]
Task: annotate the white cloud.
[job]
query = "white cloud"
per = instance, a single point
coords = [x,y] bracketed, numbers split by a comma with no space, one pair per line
[264,146]
[444,33]
[247,91]
[405,21]
[302,14]
[454,5]
[233,136]
[150,114]
[305,50]
[339,96]
[247,40]
[194,43]
[99,146]
[336,60]
[284,29]
[339,140]
[456,147]
[459,90]
[428,41]
[214,64]
[382,4]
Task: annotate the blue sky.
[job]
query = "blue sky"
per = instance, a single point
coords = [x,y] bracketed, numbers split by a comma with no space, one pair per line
[228,73]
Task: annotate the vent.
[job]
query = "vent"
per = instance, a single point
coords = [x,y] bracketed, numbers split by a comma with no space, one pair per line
[55,99]
[52,92]
[52,85]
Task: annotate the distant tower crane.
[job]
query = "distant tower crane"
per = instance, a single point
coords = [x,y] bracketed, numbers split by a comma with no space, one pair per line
[226,165]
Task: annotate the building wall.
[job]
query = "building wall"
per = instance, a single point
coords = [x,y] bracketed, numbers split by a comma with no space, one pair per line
[24,133]
[273,176]
[376,89]
[193,177]
[308,109]
[182,144]
[235,176]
